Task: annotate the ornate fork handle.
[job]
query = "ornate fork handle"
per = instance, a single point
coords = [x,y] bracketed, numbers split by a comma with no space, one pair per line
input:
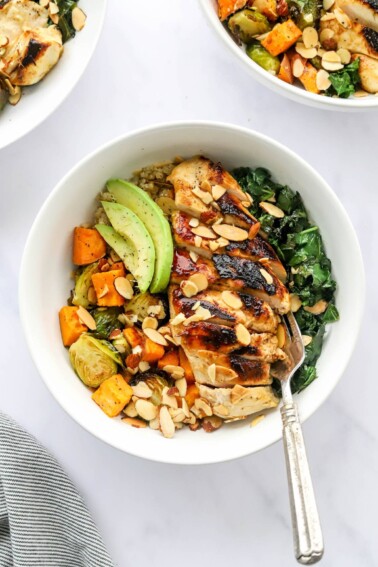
[307,533]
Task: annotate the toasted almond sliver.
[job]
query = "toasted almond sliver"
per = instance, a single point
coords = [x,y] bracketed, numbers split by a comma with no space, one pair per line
[332,66]
[14,97]
[325,35]
[295,302]
[204,232]
[222,242]
[144,366]
[266,275]
[318,308]
[212,371]
[146,409]
[272,210]
[307,53]
[135,422]
[166,423]
[232,300]
[213,245]
[345,55]
[194,222]
[198,241]
[310,37]
[328,17]
[53,8]
[180,318]
[193,256]
[218,191]
[130,410]
[44,3]
[86,318]
[331,57]
[155,336]
[298,68]
[322,80]
[231,232]
[124,287]
[189,288]
[200,281]
[141,390]
[361,94]
[342,18]
[182,386]
[54,18]
[203,195]
[242,334]
[196,305]
[306,340]
[149,323]
[206,185]
[78,18]
[220,409]
[203,407]
[327,4]
[171,368]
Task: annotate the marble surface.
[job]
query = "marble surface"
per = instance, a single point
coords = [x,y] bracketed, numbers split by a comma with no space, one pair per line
[159,61]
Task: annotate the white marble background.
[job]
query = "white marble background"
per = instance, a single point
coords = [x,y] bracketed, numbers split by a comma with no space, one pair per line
[159,61]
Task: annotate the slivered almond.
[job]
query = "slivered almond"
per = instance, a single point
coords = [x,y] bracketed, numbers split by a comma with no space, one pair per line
[231,232]
[149,323]
[331,57]
[168,400]
[165,330]
[144,366]
[342,18]
[213,245]
[155,423]
[310,37]
[242,335]
[155,310]
[327,4]
[322,80]
[137,349]
[141,390]
[266,275]
[78,18]
[182,386]
[53,8]
[185,407]
[196,305]
[218,221]
[200,281]
[54,18]
[166,423]
[298,69]
[204,232]
[205,185]
[295,302]
[345,55]
[193,256]
[212,371]
[44,3]
[307,53]
[172,368]
[86,318]
[281,336]
[180,318]
[360,94]
[318,308]
[212,423]
[198,241]
[222,242]
[124,287]
[203,195]
[130,410]
[326,35]
[177,415]
[221,410]
[193,222]
[306,340]
[146,409]
[232,300]
[189,288]
[155,336]
[135,422]
[203,407]
[218,191]
[272,210]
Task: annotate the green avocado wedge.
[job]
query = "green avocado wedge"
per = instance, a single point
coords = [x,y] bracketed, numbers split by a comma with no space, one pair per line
[130,227]
[157,225]
[124,248]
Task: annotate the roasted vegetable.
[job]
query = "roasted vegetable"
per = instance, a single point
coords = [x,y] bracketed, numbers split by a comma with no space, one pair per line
[113,395]
[281,37]
[152,352]
[285,72]
[185,364]
[170,358]
[88,246]
[133,336]
[145,304]
[94,360]
[156,380]
[83,281]
[304,12]
[308,78]
[70,325]
[106,321]
[228,7]
[246,24]
[65,18]
[192,394]
[300,247]
[346,81]
[260,56]
[107,295]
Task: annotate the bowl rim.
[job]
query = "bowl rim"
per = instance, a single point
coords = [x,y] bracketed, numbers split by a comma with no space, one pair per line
[293,92]
[24,297]
[65,93]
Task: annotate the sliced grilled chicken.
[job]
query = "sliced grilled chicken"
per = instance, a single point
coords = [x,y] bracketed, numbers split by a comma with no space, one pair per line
[357,38]
[368,71]
[226,272]
[20,15]
[364,12]
[254,313]
[224,370]
[238,401]
[206,191]
[33,55]
[252,248]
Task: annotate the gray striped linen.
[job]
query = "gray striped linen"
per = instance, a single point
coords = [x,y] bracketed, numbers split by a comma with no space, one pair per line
[43,520]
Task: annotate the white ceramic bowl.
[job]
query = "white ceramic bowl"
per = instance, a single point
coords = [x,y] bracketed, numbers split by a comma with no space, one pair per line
[298,94]
[39,101]
[46,266]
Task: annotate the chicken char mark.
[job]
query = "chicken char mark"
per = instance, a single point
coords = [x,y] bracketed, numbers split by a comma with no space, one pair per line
[230,205]
[248,272]
[256,247]
[209,336]
[371,37]
[32,53]
[248,370]
[185,305]
[184,267]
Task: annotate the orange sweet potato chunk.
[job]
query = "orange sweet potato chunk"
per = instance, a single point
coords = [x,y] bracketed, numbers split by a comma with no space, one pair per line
[107,295]
[228,7]
[70,325]
[281,37]
[88,246]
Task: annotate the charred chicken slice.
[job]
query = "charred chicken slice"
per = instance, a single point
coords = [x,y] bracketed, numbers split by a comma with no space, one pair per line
[364,12]
[238,401]
[239,274]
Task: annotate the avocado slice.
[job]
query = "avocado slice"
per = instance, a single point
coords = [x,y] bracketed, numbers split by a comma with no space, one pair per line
[131,228]
[124,248]
[157,225]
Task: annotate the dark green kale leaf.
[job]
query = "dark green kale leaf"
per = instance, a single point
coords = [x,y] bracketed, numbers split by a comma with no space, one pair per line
[346,81]
[65,18]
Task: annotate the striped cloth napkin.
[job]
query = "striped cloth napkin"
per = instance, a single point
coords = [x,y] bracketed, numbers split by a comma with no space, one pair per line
[43,520]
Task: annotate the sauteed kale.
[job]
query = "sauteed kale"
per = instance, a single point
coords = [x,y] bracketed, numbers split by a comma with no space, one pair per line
[299,245]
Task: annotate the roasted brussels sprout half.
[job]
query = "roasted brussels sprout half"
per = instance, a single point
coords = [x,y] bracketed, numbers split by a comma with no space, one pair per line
[304,12]
[106,321]
[83,282]
[262,57]
[247,24]
[145,304]
[156,380]
[94,360]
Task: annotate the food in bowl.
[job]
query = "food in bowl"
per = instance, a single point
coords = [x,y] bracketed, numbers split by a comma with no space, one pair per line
[329,48]
[32,35]
[181,279]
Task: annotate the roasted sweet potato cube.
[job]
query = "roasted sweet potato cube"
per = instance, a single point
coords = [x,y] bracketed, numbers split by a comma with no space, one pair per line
[113,395]
[88,246]
[107,295]
[281,37]
[308,78]
[228,7]
[70,325]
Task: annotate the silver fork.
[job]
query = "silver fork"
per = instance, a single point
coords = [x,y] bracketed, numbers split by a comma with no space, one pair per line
[307,533]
